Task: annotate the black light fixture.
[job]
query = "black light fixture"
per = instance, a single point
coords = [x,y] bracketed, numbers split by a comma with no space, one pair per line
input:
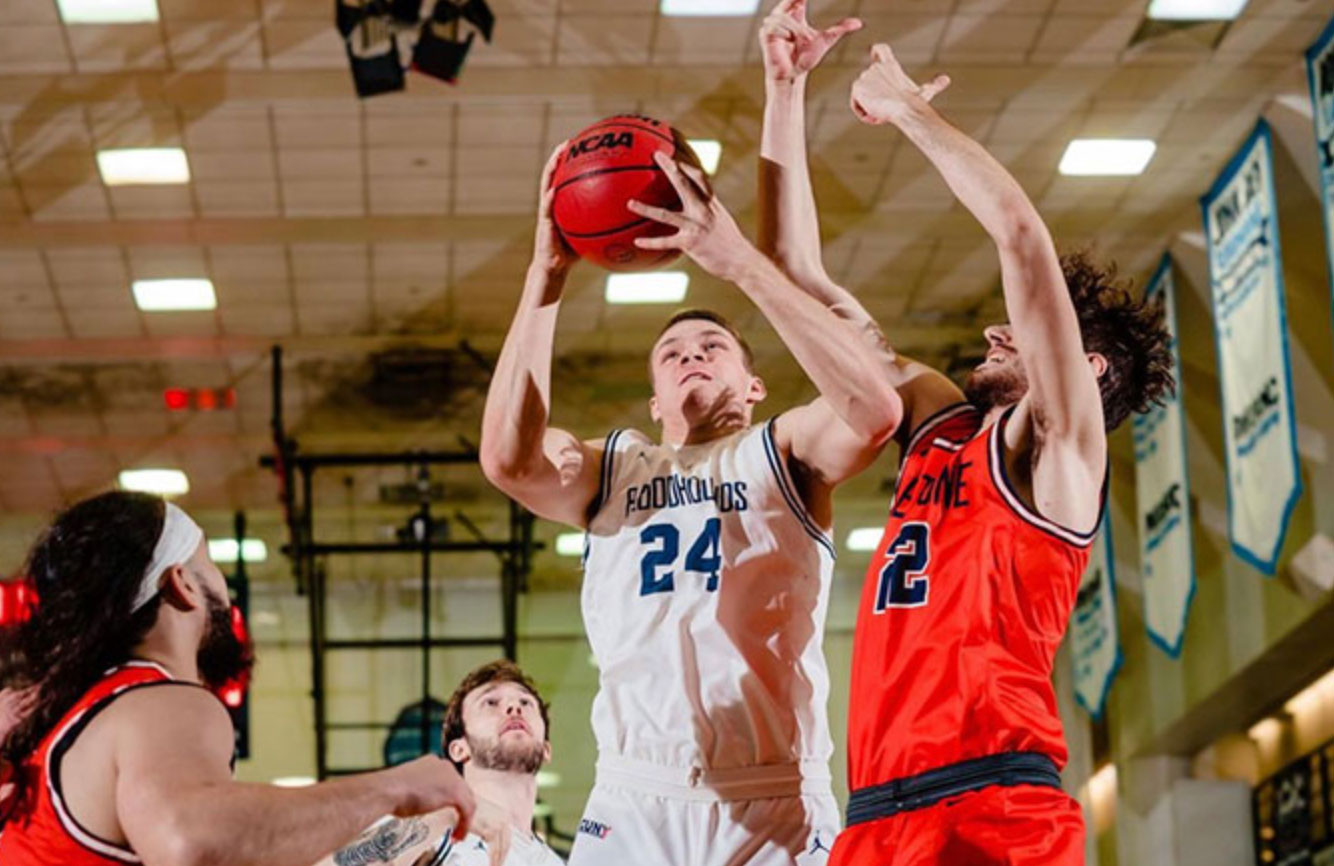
[441,46]
[369,30]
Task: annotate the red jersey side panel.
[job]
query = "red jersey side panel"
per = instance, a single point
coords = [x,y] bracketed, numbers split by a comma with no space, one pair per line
[46,833]
[964,605]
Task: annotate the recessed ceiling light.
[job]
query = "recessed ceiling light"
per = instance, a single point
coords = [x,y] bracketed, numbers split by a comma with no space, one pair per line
[865,538]
[224,550]
[162,295]
[570,544]
[710,152]
[1195,10]
[547,778]
[107,11]
[708,8]
[163,482]
[666,287]
[143,165]
[1105,157]
[293,781]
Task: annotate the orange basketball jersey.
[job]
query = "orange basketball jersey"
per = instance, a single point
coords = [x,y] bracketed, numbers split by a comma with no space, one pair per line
[46,832]
[964,605]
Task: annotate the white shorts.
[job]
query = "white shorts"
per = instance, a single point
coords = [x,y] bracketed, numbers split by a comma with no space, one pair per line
[647,815]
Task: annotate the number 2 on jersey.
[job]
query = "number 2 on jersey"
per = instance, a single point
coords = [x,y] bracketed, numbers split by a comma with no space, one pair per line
[903,580]
[704,556]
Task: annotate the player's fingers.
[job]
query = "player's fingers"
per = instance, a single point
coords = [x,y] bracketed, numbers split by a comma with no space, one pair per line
[550,168]
[657,214]
[698,178]
[688,193]
[671,242]
[933,88]
[882,53]
[779,27]
[843,28]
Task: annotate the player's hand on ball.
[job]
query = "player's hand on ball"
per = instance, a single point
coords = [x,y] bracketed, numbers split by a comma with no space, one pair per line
[705,230]
[791,47]
[884,93]
[431,784]
[550,251]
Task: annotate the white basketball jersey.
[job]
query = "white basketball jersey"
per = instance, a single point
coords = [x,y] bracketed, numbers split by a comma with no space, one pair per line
[525,850]
[706,585]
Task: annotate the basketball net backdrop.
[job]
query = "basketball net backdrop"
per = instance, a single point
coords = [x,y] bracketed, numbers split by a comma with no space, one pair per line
[1254,375]
[1162,496]
[1095,645]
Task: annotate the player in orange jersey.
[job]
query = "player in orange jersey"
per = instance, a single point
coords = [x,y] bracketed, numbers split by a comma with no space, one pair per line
[954,741]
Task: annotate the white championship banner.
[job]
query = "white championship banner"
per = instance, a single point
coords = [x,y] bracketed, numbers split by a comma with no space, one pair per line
[1320,74]
[1094,642]
[1162,496]
[1251,331]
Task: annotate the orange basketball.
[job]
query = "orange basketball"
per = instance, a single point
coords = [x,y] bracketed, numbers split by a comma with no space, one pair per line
[604,167]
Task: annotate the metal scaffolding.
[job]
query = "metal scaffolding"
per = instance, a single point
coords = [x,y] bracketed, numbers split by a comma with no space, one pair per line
[308,554]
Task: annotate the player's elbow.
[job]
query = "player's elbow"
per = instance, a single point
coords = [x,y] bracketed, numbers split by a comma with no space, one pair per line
[879,415]
[1023,231]
[181,842]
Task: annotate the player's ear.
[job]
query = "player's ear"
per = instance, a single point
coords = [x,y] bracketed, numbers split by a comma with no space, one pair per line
[653,409]
[756,392]
[1098,362]
[458,750]
[546,752]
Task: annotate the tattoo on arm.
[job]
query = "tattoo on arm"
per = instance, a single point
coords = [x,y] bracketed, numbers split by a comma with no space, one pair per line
[383,843]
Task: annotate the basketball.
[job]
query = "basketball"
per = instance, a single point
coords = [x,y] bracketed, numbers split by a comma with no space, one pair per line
[604,167]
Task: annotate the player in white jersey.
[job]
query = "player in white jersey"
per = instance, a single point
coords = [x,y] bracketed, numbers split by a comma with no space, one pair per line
[496,733]
[708,561]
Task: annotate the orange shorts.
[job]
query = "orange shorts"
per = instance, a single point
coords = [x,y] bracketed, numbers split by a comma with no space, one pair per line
[1026,825]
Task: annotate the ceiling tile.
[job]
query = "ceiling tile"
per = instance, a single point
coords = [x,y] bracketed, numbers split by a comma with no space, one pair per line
[323,198]
[603,39]
[215,45]
[32,50]
[237,198]
[117,47]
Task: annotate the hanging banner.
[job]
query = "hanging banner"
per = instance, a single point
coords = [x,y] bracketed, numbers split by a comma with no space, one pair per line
[1094,642]
[1162,495]
[1251,333]
[1320,75]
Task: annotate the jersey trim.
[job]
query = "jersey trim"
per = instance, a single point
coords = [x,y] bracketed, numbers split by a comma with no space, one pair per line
[1000,477]
[608,462]
[788,489]
[64,741]
[934,419]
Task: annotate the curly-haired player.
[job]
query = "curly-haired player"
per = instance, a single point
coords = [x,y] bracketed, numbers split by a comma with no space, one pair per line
[954,741]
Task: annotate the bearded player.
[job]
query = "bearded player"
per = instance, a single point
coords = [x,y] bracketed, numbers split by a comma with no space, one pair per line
[497,734]
[119,752]
[954,740]
[707,570]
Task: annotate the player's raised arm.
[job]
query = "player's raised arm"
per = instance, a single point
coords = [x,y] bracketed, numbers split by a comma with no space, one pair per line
[548,470]
[1063,387]
[789,230]
[855,394]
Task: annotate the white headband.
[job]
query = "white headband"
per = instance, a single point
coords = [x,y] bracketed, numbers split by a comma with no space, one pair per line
[178,542]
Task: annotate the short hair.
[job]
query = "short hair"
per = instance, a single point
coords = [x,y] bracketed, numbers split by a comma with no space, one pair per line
[1131,335]
[718,319]
[498,671]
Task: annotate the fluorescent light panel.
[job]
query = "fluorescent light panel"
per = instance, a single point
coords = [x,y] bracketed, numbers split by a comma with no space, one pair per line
[865,538]
[570,544]
[143,165]
[224,550]
[708,8]
[710,153]
[665,287]
[107,11]
[163,295]
[164,482]
[1107,157]
[293,781]
[548,778]
[1195,10]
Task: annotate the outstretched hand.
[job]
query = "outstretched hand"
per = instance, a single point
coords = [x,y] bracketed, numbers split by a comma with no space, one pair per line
[705,230]
[791,47]
[884,93]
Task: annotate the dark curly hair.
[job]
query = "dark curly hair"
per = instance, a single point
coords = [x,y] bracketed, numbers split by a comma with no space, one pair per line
[1132,335]
[500,670]
[86,569]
